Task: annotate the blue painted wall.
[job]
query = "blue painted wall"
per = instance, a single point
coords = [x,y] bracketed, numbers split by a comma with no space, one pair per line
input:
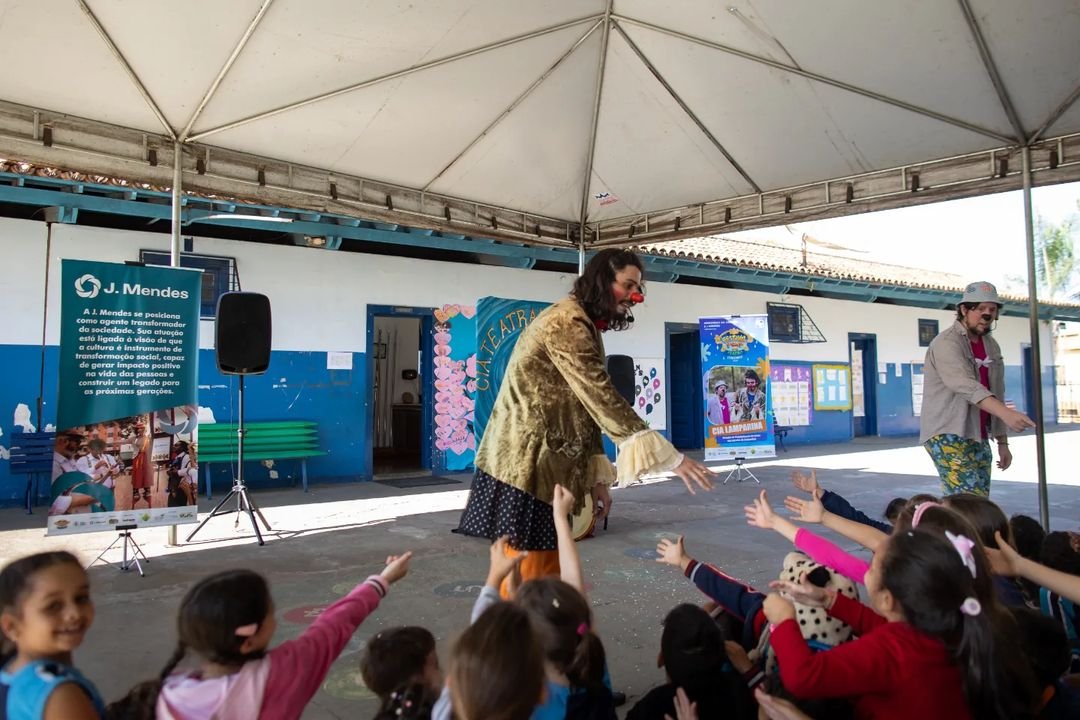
[298,386]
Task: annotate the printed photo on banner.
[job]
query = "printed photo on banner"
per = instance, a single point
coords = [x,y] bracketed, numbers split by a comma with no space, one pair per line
[125,454]
[735,385]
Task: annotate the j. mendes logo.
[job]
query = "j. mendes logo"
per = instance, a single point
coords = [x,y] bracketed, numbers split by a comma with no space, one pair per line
[89,287]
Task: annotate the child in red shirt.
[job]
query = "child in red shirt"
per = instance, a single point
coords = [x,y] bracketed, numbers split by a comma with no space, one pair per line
[925,649]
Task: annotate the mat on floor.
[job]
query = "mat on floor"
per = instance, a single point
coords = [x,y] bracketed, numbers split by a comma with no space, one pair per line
[414,482]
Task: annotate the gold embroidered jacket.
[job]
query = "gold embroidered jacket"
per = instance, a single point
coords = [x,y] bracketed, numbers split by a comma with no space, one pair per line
[555,398]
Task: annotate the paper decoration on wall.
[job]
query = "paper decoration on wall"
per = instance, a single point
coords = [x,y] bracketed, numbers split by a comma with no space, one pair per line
[650,392]
[455,385]
[916,391]
[791,394]
[832,387]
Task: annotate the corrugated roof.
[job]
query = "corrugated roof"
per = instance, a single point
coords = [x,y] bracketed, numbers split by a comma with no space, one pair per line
[780,258]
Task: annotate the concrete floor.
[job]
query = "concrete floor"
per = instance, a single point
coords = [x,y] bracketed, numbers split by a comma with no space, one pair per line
[337,535]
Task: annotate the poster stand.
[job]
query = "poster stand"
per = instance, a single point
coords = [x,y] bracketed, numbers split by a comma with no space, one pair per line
[126,563]
[740,473]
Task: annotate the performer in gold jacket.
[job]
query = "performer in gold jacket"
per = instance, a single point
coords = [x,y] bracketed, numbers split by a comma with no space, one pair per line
[555,399]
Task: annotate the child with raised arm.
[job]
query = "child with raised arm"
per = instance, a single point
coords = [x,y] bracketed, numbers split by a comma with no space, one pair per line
[226,624]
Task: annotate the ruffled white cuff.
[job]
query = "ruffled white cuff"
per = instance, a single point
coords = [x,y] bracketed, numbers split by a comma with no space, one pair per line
[601,472]
[645,452]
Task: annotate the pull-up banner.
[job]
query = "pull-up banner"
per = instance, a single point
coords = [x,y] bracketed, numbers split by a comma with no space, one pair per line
[735,362]
[127,400]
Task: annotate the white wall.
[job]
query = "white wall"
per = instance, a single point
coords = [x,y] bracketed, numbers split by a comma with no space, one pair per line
[320,297]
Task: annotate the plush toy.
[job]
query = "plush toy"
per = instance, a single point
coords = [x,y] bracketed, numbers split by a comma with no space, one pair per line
[820,630]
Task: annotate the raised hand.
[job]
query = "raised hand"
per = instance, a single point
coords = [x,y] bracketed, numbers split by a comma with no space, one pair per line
[777,709]
[397,567]
[562,503]
[692,472]
[499,565]
[759,513]
[777,609]
[806,510]
[806,483]
[684,709]
[672,553]
[803,592]
[1004,560]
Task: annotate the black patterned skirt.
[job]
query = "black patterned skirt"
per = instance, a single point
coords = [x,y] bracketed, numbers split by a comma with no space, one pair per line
[495,509]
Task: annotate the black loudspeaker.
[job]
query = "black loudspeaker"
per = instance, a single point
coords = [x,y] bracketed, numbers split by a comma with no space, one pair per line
[242,333]
[621,370]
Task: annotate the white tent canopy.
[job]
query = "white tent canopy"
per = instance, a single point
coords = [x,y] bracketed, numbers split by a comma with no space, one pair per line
[584,122]
[668,117]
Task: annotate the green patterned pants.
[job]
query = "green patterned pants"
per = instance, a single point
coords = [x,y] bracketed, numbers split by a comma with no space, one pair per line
[962,464]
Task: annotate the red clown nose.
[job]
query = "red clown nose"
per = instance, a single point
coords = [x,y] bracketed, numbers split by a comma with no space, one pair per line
[636,298]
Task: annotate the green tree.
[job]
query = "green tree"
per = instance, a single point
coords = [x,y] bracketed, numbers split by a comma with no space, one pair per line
[1055,258]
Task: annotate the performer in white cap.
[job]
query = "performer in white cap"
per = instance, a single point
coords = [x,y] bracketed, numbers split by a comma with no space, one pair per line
[963,391]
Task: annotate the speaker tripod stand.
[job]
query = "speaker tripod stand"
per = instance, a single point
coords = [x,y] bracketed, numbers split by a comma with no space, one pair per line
[741,473]
[244,504]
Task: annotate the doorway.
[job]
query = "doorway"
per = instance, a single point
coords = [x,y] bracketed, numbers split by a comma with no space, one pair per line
[399,373]
[686,414]
[863,358]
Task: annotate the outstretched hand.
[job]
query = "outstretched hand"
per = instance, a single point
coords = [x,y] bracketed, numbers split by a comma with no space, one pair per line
[691,472]
[672,553]
[806,510]
[759,513]
[806,483]
[803,592]
[684,709]
[1004,560]
[397,567]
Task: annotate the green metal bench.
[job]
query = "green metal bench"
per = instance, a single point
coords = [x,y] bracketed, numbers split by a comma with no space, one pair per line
[279,440]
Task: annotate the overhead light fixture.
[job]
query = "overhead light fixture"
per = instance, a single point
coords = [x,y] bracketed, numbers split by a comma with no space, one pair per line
[315,241]
[252,218]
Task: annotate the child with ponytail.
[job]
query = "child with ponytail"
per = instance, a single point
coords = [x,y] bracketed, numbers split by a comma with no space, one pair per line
[226,624]
[927,649]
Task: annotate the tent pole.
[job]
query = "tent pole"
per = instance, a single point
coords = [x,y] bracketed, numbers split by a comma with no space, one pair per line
[1036,354]
[581,251]
[174,245]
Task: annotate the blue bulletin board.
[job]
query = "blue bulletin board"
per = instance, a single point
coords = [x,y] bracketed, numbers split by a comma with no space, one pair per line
[832,387]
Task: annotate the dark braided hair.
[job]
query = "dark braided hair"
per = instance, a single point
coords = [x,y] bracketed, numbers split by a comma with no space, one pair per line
[210,613]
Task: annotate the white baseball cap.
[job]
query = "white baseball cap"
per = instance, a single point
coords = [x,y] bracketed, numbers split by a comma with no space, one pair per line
[980,292]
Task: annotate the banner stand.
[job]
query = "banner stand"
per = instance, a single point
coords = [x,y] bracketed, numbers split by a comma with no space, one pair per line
[741,473]
[129,541]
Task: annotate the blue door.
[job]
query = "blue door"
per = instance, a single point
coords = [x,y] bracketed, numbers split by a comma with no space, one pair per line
[687,403]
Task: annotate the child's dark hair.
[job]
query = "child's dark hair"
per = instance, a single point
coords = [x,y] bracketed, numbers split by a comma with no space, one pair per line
[894,508]
[15,581]
[395,658]
[1057,553]
[1028,537]
[210,614]
[593,288]
[692,646]
[408,702]
[985,515]
[927,577]
[1045,645]
[563,623]
[497,666]
[938,519]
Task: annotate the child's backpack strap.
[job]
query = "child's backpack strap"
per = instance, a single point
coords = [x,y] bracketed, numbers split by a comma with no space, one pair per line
[28,689]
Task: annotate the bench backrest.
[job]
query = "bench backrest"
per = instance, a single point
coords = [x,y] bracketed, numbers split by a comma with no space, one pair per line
[31,452]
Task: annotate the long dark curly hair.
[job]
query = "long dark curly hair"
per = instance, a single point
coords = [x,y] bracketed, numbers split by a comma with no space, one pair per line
[593,289]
